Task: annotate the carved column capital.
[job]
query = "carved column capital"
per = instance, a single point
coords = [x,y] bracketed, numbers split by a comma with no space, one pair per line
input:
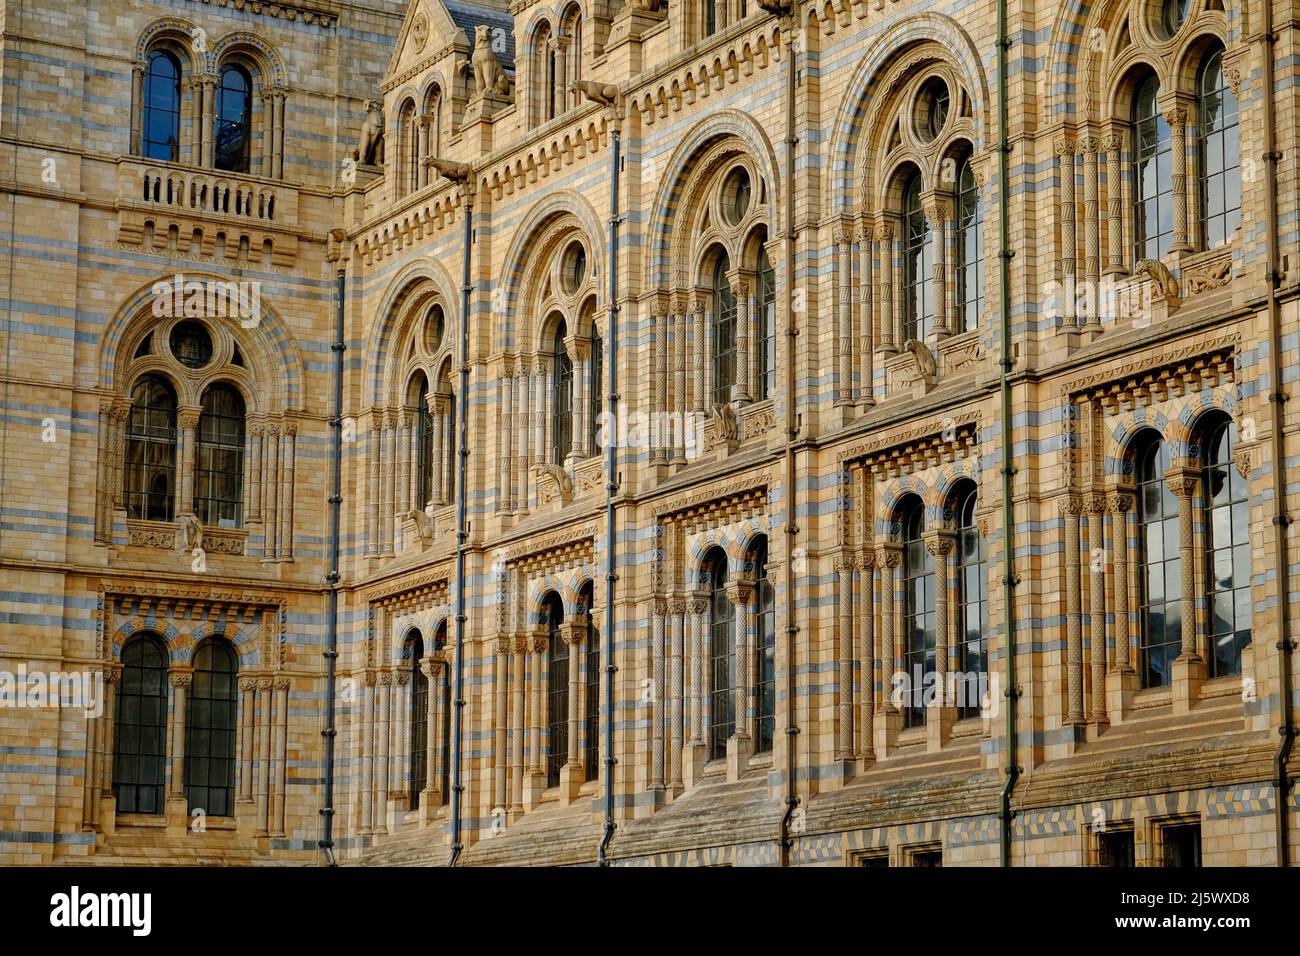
[180,677]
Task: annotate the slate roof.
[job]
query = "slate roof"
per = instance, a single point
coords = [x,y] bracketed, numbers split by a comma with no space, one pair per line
[468,15]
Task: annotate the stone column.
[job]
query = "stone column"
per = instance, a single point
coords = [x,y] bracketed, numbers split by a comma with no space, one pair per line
[535,782]
[580,348]
[438,453]
[1176,117]
[374,444]
[703,378]
[697,751]
[506,494]
[541,368]
[939,212]
[137,111]
[267,160]
[867,346]
[681,402]
[573,634]
[1113,144]
[180,681]
[281,753]
[659,453]
[1189,668]
[501,712]
[271,517]
[517,726]
[368,755]
[844,315]
[742,283]
[941,714]
[1097,605]
[1119,505]
[207,95]
[676,700]
[560,47]
[867,654]
[657,650]
[1088,146]
[1065,151]
[264,687]
[278,152]
[844,658]
[741,594]
[1070,510]
[247,689]
[523,425]
[889,557]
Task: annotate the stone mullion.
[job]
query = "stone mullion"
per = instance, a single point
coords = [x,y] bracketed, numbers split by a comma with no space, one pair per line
[740,286]
[180,681]
[897,306]
[541,373]
[258,442]
[247,688]
[264,686]
[1185,485]
[501,712]
[519,467]
[573,637]
[538,661]
[137,111]
[399,733]
[507,493]
[680,398]
[702,359]
[404,464]
[844,653]
[1088,146]
[267,160]
[1097,605]
[659,403]
[1119,507]
[675,709]
[1070,511]
[385,754]
[1065,152]
[187,421]
[660,612]
[581,352]
[940,544]
[885,237]
[438,453]
[374,447]
[1177,120]
[938,212]
[281,753]
[1113,144]
[889,559]
[368,755]
[844,316]
[92,758]
[284,544]
[699,610]
[435,756]
[389,490]
[104,496]
[207,90]
[866,348]
[742,595]
[117,454]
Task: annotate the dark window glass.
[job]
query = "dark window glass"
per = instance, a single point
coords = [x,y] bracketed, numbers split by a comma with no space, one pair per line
[722,659]
[151,451]
[970,250]
[423,444]
[1159,565]
[1173,13]
[557,696]
[1182,845]
[210,731]
[972,611]
[234,130]
[918,615]
[191,344]
[1153,191]
[765,643]
[140,743]
[1220,149]
[767,330]
[162,107]
[562,409]
[1227,548]
[419,720]
[874,861]
[724,333]
[594,397]
[711,22]
[918,260]
[219,466]
[591,643]
[927,858]
[1115,849]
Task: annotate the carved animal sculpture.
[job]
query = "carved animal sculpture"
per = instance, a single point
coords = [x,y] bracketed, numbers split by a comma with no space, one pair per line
[370,145]
[487,70]
[926,367]
[189,534]
[606,94]
[725,425]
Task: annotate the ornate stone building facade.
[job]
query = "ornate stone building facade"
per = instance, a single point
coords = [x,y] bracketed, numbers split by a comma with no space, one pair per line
[918,439]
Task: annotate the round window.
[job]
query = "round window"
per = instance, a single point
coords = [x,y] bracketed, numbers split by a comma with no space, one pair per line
[932,110]
[191,344]
[574,268]
[433,326]
[1173,14]
[736,195]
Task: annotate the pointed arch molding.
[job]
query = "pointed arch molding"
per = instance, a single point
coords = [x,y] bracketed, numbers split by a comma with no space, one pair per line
[859,99]
[677,179]
[414,278]
[268,346]
[521,260]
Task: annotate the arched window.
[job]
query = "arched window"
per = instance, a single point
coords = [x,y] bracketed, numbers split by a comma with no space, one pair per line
[722,656]
[544,71]
[972,661]
[140,742]
[724,332]
[450,426]
[151,451]
[162,108]
[765,646]
[714,17]
[1153,191]
[1159,564]
[219,465]
[1220,153]
[1227,546]
[572,30]
[423,443]
[234,126]
[591,729]
[562,401]
[918,612]
[767,327]
[970,250]
[557,693]
[408,173]
[419,718]
[210,730]
[595,400]
[918,260]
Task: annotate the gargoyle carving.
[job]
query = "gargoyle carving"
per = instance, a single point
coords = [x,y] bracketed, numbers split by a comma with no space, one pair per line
[189,533]
[925,366]
[606,94]
[1164,280]
[725,425]
[456,172]
[563,483]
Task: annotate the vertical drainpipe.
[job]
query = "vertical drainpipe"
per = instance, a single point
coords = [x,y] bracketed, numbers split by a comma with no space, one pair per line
[787,13]
[611,490]
[326,843]
[1009,578]
[1277,398]
[462,526]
